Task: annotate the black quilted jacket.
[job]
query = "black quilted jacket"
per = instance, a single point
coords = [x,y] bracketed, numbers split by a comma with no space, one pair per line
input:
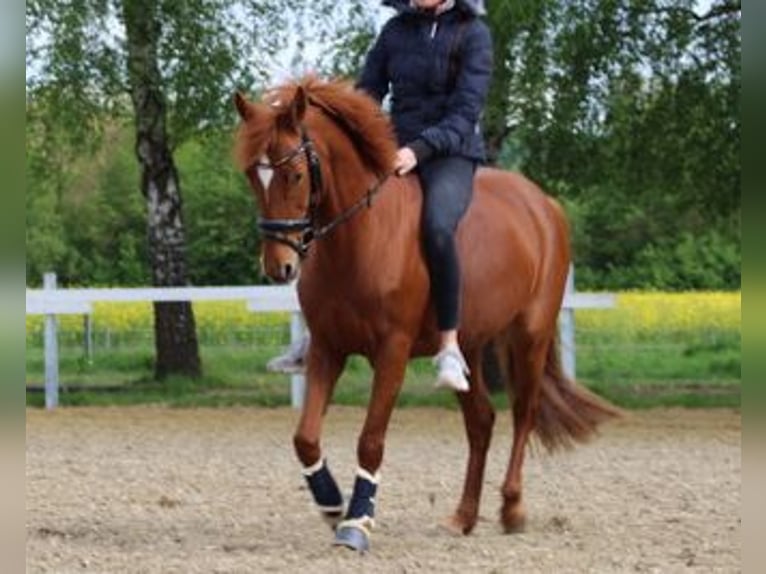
[437,69]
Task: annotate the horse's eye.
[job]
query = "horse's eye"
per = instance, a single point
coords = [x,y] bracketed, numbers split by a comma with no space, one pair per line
[297,177]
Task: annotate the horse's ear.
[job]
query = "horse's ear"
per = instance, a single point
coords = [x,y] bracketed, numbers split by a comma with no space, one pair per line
[244,108]
[300,103]
[292,117]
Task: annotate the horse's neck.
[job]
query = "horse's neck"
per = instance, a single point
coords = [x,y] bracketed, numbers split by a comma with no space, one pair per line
[377,239]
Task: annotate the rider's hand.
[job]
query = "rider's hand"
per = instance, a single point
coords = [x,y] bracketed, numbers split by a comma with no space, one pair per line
[405,161]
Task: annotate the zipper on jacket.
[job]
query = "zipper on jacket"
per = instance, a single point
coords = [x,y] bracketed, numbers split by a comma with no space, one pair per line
[434,27]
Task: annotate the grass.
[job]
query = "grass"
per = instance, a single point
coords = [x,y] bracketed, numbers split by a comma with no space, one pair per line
[652,349]
[693,375]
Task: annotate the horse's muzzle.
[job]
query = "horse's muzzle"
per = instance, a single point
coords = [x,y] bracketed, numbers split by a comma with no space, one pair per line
[283,272]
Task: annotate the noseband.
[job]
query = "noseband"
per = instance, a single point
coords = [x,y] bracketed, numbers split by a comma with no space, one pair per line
[308,226]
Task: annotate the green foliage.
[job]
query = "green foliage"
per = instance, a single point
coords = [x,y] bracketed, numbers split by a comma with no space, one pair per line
[90,228]
[648,250]
[85,216]
[206,50]
[628,112]
[47,153]
[93,232]
[219,214]
[106,219]
[707,261]
[344,30]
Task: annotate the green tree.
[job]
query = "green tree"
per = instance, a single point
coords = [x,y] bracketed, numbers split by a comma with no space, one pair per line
[174,325]
[45,152]
[104,219]
[223,240]
[629,110]
[176,63]
[171,67]
[327,37]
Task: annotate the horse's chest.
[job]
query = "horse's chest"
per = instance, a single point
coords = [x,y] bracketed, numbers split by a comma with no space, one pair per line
[344,322]
[357,319]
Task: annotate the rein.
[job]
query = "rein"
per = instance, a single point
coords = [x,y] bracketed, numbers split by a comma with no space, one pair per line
[346,214]
[308,226]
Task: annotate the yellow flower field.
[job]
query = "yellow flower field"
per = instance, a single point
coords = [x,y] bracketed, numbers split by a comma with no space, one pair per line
[215,319]
[637,315]
[645,315]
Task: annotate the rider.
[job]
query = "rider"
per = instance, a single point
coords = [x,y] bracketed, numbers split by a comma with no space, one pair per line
[435,59]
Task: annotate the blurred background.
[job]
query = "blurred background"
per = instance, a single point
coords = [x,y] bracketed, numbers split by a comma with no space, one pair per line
[627,111]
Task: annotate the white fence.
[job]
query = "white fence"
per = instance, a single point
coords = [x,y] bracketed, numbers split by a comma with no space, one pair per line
[51,302]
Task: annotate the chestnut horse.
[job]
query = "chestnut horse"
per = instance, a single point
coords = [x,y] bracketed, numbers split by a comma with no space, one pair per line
[318,157]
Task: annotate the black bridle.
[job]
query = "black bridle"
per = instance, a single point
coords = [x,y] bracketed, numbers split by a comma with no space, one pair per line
[278,229]
[308,226]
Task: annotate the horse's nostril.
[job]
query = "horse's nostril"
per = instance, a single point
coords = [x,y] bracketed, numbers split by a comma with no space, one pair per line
[288,271]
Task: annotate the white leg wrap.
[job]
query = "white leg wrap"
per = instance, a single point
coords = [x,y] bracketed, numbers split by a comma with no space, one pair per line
[309,470]
[365,524]
[367,476]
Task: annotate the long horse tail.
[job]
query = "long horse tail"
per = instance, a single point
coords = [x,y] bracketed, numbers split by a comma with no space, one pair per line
[567,413]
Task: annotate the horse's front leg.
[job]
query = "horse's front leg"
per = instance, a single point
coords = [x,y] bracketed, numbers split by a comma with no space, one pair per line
[389,363]
[322,371]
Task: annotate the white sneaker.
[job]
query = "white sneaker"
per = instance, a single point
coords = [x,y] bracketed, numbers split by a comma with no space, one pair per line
[452,370]
[292,361]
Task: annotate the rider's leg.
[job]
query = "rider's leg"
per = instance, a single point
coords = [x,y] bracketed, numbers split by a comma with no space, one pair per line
[448,186]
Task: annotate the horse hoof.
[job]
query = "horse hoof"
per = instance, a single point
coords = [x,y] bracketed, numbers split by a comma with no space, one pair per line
[515,528]
[514,520]
[352,537]
[456,526]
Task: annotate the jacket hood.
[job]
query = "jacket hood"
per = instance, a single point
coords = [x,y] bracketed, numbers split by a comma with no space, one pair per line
[474,7]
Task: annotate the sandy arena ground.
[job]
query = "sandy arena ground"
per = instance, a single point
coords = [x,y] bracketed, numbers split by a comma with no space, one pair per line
[150,489]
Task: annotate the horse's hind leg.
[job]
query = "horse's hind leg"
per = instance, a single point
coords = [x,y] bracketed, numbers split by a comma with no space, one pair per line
[478,417]
[323,370]
[528,361]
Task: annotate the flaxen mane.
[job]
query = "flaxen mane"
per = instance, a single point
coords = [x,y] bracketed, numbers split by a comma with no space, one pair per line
[358,115]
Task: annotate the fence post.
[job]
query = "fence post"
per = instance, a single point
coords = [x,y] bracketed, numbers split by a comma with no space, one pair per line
[87,323]
[567,330]
[51,350]
[297,380]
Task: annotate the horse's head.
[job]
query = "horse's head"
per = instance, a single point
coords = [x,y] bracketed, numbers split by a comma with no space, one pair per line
[283,170]
[279,145]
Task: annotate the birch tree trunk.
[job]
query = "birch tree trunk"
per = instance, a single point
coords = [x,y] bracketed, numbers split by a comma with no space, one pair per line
[177,349]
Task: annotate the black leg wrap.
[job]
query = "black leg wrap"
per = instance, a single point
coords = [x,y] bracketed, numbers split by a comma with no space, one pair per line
[363,500]
[325,490]
[354,531]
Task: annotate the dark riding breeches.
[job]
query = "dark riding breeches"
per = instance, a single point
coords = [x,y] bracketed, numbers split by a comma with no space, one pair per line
[447,187]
